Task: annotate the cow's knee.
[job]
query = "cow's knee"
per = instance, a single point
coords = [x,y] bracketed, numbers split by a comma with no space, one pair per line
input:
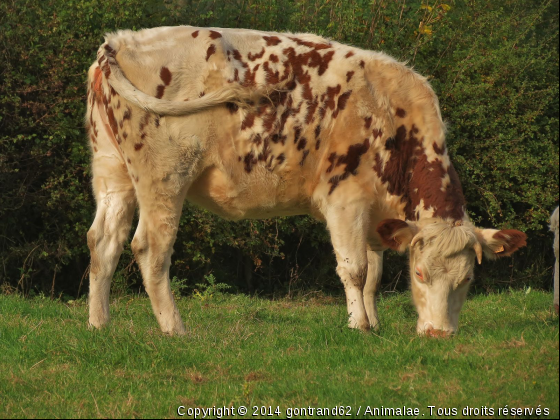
[352,274]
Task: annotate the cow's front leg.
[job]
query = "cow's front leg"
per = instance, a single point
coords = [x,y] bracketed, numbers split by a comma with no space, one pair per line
[153,245]
[348,227]
[375,269]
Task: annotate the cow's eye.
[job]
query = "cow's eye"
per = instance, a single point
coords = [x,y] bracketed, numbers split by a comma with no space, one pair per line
[419,274]
[467,280]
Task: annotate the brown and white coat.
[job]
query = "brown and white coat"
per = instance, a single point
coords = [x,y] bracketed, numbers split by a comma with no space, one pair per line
[253,124]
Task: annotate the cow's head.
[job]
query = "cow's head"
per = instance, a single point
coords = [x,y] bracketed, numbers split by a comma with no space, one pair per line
[442,259]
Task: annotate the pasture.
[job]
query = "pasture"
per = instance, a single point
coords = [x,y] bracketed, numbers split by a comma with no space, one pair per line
[287,353]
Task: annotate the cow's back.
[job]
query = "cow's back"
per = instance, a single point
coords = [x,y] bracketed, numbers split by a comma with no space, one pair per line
[328,123]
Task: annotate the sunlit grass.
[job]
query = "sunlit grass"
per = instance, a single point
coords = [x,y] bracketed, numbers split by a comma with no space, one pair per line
[288,353]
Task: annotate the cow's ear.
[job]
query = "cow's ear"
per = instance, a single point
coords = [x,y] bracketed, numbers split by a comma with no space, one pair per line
[500,243]
[396,234]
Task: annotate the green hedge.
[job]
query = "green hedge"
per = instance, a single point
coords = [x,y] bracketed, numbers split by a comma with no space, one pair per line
[493,64]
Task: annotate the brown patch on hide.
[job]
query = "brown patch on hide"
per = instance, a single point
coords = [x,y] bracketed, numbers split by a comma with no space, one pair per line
[271,77]
[397,170]
[156,122]
[257,140]
[165,75]
[328,99]
[367,122]
[215,35]
[211,50]
[160,91]
[235,76]
[349,76]
[302,143]
[312,45]
[237,56]
[332,159]
[349,54]
[263,156]
[112,121]
[194,34]
[250,160]
[138,146]
[311,108]
[401,113]
[269,120]
[342,99]
[351,159]
[281,158]
[325,62]
[307,93]
[408,174]
[250,76]
[377,133]
[127,113]
[248,121]
[438,150]
[272,40]
[273,58]
[317,130]
[511,240]
[387,229]
[309,59]
[305,153]
[253,57]
[426,184]
[110,51]
[362,64]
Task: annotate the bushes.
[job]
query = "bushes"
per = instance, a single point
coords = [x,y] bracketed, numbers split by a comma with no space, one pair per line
[493,65]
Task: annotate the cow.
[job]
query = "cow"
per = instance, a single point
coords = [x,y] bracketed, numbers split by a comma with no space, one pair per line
[251,124]
[554,229]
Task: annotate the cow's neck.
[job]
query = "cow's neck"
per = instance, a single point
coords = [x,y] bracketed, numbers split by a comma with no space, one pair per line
[434,190]
[421,174]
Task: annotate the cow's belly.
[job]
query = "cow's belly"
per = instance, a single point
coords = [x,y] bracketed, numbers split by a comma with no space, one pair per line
[259,195]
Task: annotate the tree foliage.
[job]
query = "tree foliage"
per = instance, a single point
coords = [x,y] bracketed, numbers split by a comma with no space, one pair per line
[493,64]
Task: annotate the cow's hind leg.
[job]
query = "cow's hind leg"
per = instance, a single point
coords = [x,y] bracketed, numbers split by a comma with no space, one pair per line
[375,269]
[160,210]
[116,202]
[348,227]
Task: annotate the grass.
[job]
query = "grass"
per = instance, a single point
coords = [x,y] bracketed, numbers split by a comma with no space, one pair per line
[288,353]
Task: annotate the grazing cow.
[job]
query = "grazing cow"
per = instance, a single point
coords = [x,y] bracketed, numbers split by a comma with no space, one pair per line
[554,229]
[251,124]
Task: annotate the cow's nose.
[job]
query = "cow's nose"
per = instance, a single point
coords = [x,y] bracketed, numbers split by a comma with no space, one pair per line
[430,331]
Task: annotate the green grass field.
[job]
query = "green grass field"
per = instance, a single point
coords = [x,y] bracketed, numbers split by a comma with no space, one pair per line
[290,354]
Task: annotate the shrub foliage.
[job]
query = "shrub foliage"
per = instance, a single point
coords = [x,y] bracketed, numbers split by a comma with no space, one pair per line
[493,64]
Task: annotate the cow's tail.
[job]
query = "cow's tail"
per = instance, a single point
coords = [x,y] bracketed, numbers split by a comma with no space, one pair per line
[232,93]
